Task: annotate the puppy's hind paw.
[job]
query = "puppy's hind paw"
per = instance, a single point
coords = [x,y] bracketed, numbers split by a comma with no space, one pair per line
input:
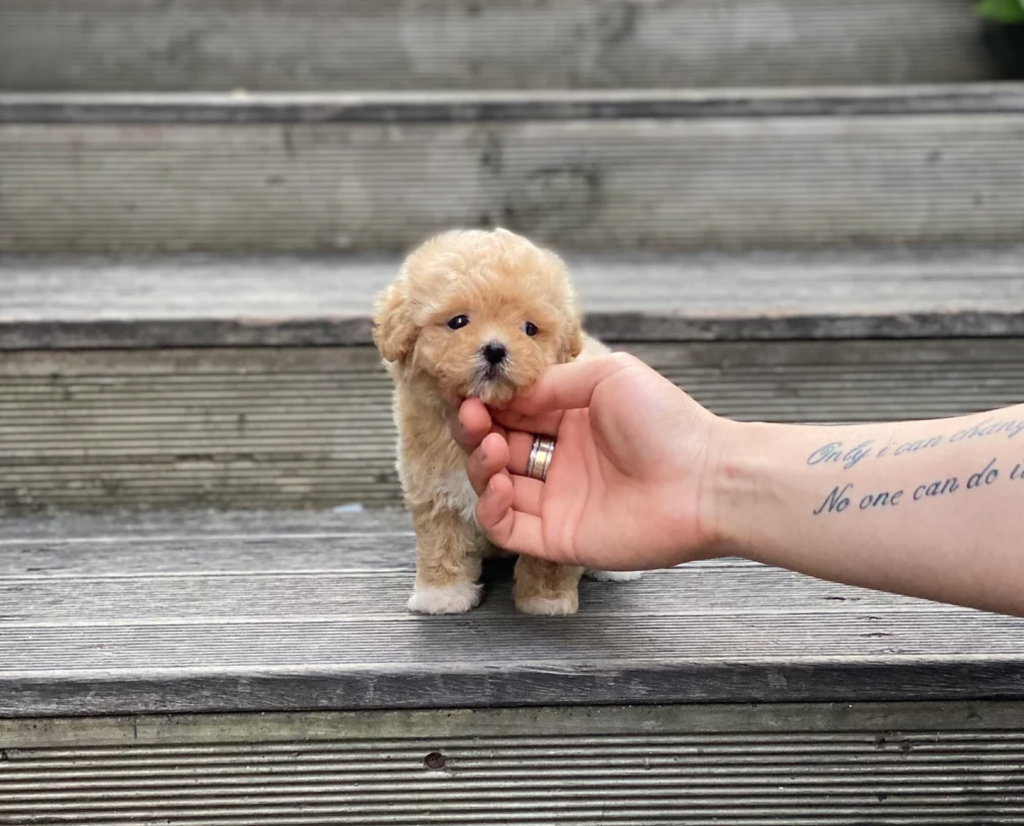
[560,606]
[449,599]
[613,576]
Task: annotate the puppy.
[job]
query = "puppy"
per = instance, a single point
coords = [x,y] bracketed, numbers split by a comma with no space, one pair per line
[479,314]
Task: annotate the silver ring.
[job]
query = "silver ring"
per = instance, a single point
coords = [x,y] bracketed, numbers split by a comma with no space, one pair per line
[540,458]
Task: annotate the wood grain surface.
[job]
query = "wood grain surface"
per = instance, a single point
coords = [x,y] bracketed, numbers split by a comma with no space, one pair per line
[737,180]
[186,622]
[257,427]
[221,45]
[209,301]
[785,764]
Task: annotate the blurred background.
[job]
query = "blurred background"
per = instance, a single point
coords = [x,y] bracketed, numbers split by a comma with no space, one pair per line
[801,210]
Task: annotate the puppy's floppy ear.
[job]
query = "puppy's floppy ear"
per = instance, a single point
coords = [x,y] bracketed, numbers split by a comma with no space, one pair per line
[393,330]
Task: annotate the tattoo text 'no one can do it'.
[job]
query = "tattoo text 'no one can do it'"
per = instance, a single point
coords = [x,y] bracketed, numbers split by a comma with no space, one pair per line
[843,497]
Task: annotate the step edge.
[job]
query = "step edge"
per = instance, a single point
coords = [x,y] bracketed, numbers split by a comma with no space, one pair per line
[810,679]
[455,107]
[616,327]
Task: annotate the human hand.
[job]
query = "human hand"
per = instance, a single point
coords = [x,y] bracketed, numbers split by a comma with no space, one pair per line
[642,476]
[626,487]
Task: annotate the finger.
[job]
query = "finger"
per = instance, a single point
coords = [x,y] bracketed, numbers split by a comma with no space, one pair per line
[506,527]
[471,425]
[528,495]
[570,386]
[489,459]
[498,455]
[519,446]
[545,424]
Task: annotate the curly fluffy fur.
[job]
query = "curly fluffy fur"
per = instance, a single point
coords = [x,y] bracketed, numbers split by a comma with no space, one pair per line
[497,284]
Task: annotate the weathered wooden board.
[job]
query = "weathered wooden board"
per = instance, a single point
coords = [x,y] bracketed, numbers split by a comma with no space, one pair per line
[214,301]
[919,764]
[57,529]
[190,623]
[125,108]
[311,427]
[598,183]
[97,45]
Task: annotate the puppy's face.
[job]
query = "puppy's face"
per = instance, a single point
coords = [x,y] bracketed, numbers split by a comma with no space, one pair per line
[479,314]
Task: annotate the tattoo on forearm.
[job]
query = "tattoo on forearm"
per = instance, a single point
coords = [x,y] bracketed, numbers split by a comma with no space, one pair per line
[841,497]
[837,453]
[849,456]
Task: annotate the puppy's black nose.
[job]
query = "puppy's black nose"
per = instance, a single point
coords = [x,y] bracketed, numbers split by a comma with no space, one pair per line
[495,352]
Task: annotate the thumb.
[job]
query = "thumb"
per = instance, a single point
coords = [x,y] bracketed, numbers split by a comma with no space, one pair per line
[570,386]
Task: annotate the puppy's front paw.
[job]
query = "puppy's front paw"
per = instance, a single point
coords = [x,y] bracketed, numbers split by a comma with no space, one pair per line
[614,576]
[449,599]
[560,606]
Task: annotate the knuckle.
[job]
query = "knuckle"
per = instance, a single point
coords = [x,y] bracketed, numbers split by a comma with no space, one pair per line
[625,359]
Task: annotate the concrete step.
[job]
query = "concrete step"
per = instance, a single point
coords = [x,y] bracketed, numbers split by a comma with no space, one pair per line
[314,45]
[199,381]
[587,170]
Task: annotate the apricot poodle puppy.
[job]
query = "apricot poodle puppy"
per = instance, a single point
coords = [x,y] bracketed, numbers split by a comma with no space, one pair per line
[482,314]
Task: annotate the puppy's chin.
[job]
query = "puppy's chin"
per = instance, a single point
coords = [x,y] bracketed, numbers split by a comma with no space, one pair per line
[498,391]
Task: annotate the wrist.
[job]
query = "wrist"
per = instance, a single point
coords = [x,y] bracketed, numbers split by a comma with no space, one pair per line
[742,482]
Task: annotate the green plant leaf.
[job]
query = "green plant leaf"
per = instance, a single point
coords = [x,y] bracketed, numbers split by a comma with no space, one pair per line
[1002,11]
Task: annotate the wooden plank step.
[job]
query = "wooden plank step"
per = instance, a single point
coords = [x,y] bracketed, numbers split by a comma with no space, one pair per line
[171,301]
[597,170]
[183,621]
[789,764]
[198,45]
[311,427]
[186,381]
[919,764]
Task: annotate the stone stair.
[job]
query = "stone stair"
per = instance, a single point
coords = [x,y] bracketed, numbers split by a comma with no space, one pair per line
[797,210]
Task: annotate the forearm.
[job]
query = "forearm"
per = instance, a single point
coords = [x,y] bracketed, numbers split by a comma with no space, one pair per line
[930,508]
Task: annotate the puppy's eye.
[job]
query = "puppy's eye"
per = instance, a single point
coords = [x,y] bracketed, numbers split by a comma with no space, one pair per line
[458,322]
[530,328]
